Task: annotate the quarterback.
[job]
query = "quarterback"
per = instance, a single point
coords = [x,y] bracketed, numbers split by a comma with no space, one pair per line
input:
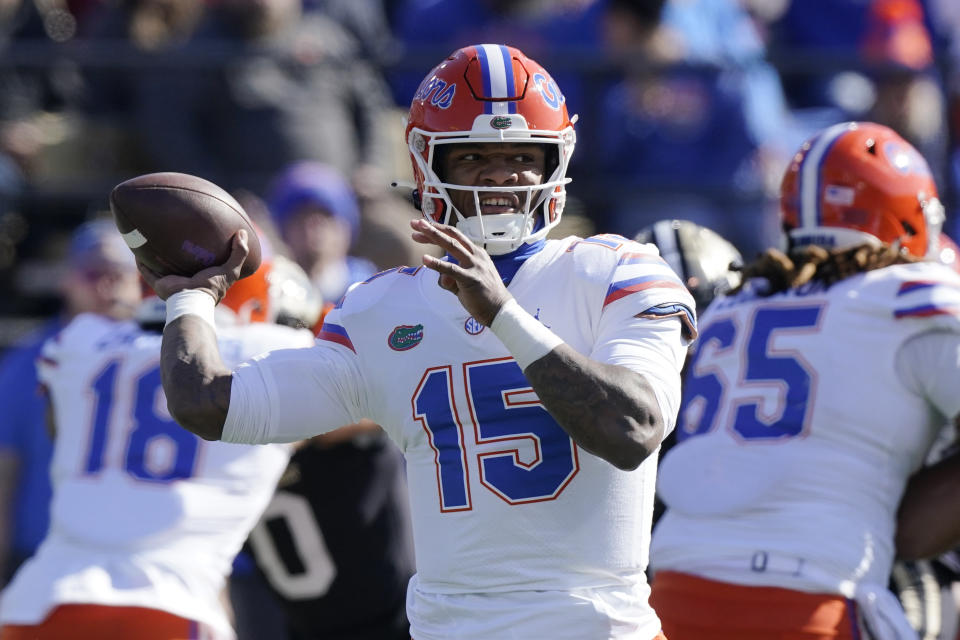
[815,391]
[529,384]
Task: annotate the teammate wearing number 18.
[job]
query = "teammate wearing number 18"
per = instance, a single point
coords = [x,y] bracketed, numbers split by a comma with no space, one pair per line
[146,518]
[527,385]
[815,391]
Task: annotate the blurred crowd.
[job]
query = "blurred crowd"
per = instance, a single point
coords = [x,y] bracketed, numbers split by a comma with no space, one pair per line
[688,108]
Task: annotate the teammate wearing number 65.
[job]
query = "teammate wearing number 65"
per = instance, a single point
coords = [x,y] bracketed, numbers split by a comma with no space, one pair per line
[528,384]
[815,391]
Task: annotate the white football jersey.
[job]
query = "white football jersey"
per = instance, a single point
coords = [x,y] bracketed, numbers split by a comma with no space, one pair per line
[798,432]
[144,513]
[519,533]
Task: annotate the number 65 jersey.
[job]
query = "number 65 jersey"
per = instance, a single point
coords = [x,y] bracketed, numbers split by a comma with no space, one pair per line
[144,513]
[800,425]
[504,505]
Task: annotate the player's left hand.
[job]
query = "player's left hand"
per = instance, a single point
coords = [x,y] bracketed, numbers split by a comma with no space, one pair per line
[474,280]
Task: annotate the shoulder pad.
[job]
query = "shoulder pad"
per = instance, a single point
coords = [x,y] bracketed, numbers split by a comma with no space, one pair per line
[927,292]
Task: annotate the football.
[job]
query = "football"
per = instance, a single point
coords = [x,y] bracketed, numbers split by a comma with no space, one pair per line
[176,223]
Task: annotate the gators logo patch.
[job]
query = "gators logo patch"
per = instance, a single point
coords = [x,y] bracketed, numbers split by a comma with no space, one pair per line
[500,122]
[405,337]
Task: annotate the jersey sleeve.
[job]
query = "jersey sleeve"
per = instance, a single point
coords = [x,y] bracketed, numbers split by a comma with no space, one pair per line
[647,322]
[643,285]
[292,394]
[654,348]
[929,365]
[66,353]
[934,302]
[48,360]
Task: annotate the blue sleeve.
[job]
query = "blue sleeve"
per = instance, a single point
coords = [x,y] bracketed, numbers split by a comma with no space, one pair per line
[19,399]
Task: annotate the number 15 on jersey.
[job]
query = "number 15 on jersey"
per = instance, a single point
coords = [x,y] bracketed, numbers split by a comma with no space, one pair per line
[502,415]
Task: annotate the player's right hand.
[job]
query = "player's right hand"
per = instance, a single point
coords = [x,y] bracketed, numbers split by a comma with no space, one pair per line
[212,280]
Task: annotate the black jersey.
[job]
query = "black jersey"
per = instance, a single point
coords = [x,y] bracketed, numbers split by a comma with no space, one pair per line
[335,543]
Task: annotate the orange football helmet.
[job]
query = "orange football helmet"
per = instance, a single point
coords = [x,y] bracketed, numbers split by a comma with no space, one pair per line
[490,93]
[860,182]
[279,291]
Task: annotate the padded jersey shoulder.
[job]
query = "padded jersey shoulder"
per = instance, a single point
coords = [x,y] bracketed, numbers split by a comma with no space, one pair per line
[924,293]
[366,294]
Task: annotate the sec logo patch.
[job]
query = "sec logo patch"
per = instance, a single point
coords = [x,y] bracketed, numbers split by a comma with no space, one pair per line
[472,326]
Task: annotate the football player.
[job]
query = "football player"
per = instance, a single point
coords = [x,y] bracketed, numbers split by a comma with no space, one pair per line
[707,263]
[99,275]
[527,380]
[146,517]
[814,392]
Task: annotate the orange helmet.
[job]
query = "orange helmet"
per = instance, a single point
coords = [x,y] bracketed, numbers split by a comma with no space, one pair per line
[490,93]
[860,182]
[279,291]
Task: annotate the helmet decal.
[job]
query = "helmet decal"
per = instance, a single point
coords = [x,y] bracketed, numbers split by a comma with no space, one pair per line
[548,91]
[905,159]
[437,92]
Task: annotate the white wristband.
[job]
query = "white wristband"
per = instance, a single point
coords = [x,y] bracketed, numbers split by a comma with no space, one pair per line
[524,336]
[193,302]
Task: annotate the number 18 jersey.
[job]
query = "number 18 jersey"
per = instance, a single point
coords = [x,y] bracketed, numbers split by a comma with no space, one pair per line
[144,513]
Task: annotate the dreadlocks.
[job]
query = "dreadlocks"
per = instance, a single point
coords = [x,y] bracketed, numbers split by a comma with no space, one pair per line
[812,263]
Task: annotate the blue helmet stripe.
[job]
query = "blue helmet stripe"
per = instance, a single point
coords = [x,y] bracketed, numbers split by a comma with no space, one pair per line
[485,73]
[811,180]
[508,73]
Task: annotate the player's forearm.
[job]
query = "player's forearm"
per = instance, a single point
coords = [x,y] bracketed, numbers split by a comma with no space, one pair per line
[195,380]
[608,410]
[928,522]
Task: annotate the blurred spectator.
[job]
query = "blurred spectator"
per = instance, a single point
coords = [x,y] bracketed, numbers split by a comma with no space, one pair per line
[944,15]
[144,25]
[534,26]
[871,60]
[100,277]
[265,84]
[28,91]
[317,215]
[698,125]
[367,20]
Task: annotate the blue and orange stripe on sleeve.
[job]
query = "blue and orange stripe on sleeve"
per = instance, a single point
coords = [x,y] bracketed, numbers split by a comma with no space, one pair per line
[335,333]
[623,288]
